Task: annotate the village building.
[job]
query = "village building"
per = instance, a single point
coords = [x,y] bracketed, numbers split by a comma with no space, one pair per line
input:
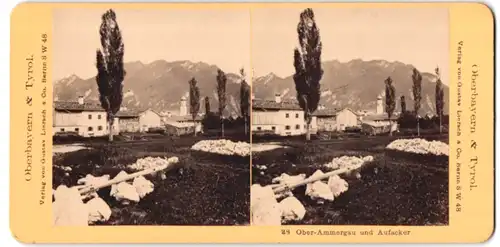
[149,119]
[86,119]
[336,120]
[379,123]
[128,121]
[181,122]
[280,117]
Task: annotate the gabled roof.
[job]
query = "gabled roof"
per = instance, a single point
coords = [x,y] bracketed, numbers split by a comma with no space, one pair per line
[332,112]
[75,106]
[127,113]
[378,117]
[325,113]
[182,118]
[285,104]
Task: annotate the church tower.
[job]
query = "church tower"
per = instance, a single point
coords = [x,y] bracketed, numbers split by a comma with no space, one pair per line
[183,109]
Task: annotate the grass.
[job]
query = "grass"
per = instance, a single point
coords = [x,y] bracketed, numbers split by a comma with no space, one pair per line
[205,189]
[395,189]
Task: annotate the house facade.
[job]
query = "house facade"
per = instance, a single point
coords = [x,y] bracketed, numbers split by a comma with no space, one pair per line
[86,119]
[149,119]
[280,117]
[128,121]
[379,123]
[181,125]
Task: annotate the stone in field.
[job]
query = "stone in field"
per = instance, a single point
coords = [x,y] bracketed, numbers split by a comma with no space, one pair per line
[292,209]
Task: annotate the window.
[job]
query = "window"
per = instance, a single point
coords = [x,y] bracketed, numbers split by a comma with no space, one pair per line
[90,116]
[76,129]
[62,129]
[287,127]
[99,116]
[99,128]
[90,128]
[259,128]
[287,115]
[297,127]
[273,128]
[296,115]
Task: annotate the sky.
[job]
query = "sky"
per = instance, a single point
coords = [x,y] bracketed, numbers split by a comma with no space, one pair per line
[417,36]
[214,36]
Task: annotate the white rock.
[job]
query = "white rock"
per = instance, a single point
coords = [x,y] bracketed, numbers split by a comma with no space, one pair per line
[420,146]
[125,193]
[261,193]
[287,179]
[319,191]
[121,174]
[152,162]
[266,214]
[143,186]
[368,158]
[291,209]
[224,147]
[90,180]
[264,207]
[98,210]
[337,185]
[68,208]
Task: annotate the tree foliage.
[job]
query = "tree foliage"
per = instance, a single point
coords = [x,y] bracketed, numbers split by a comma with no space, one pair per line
[244,98]
[439,98]
[221,93]
[390,97]
[110,69]
[207,105]
[307,63]
[194,98]
[403,104]
[417,94]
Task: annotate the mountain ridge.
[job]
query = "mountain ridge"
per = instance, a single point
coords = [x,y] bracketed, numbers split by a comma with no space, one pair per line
[356,84]
[159,85]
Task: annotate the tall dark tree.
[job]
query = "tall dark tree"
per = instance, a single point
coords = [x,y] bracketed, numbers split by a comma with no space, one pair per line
[439,99]
[417,95]
[194,100]
[207,106]
[307,63]
[110,70]
[390,100]
[221,93]
[403,105]
[244,99]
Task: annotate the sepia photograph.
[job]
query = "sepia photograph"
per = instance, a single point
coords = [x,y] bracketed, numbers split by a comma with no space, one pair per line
[350,116]
[151,116]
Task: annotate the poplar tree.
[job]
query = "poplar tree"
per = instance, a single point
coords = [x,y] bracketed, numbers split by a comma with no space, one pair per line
[439,99]
[403,105]
[110,69]
[207,106]
[417,95]
[307,63]
[390,100]
[244,99]
[194,100]
[221,93]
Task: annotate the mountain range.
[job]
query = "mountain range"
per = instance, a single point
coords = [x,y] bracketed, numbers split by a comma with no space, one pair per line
[159,85]
[357,84]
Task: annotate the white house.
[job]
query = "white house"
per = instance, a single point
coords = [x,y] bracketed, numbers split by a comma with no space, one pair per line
[279,116]
[149,119]
[83,118]
[336,120]
[379,122]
